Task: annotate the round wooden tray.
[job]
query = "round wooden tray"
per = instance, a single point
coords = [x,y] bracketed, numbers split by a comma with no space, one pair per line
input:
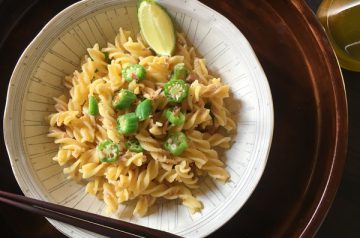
[310,136]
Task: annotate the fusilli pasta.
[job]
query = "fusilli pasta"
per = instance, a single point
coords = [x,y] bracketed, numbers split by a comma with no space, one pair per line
[152,169]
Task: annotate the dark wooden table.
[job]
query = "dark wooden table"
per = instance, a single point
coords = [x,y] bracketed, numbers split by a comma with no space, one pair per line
[343,218]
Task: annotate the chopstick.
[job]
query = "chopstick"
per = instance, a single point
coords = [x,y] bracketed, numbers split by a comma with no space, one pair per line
[89,221]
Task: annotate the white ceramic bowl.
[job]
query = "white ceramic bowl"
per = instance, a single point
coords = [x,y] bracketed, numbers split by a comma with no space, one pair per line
[56,52]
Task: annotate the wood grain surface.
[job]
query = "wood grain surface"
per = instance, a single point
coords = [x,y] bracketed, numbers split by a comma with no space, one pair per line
[289,189]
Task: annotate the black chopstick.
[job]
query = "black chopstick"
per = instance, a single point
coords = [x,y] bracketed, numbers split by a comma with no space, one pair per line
[70,220]
[92,222]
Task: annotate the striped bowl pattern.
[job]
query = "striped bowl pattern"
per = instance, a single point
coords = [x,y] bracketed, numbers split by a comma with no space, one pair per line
[56,52]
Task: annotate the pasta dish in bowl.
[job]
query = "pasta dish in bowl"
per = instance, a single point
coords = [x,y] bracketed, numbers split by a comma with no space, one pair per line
[134,130]
[142,132]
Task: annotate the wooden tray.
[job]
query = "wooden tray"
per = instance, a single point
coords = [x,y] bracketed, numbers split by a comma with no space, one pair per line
[310,135]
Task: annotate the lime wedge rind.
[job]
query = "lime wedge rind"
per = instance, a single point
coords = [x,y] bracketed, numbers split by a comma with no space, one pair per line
[157,27]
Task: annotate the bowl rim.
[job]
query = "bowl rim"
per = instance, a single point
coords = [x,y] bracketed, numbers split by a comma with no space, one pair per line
[11,95]
[316,213]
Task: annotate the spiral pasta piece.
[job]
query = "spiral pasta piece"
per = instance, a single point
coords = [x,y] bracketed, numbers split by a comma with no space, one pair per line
[62,118]
[192,120]
[63,157]
[218,139]
[110,199]
[194,155]
[174,192]
[115,79]
[122,38]
[153,147]
[143,204]
[145,177]
[218,112]
[83,129]
[56,133]
[67,82]
[113,172]
[106,110]
[73,171]
[81,82]
[136,49]
[215,169]
[100,134]
[185,175]
[167,175]
[98,58]
[201,70]
[61,103]
[76,147]
[95,186]
[92,169]
[213,89]
[158,68]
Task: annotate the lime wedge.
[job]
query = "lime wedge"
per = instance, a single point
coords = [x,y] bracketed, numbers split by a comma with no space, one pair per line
[156,27]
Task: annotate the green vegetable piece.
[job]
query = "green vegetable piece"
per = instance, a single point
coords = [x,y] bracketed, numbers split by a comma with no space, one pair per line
[179,73]
[128,123]
[175,116]
[176,143]
[93,106]
[107,58]
[108,151]
[123,99]
[176,90]
[144,109]
[134,146]
[134,72]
